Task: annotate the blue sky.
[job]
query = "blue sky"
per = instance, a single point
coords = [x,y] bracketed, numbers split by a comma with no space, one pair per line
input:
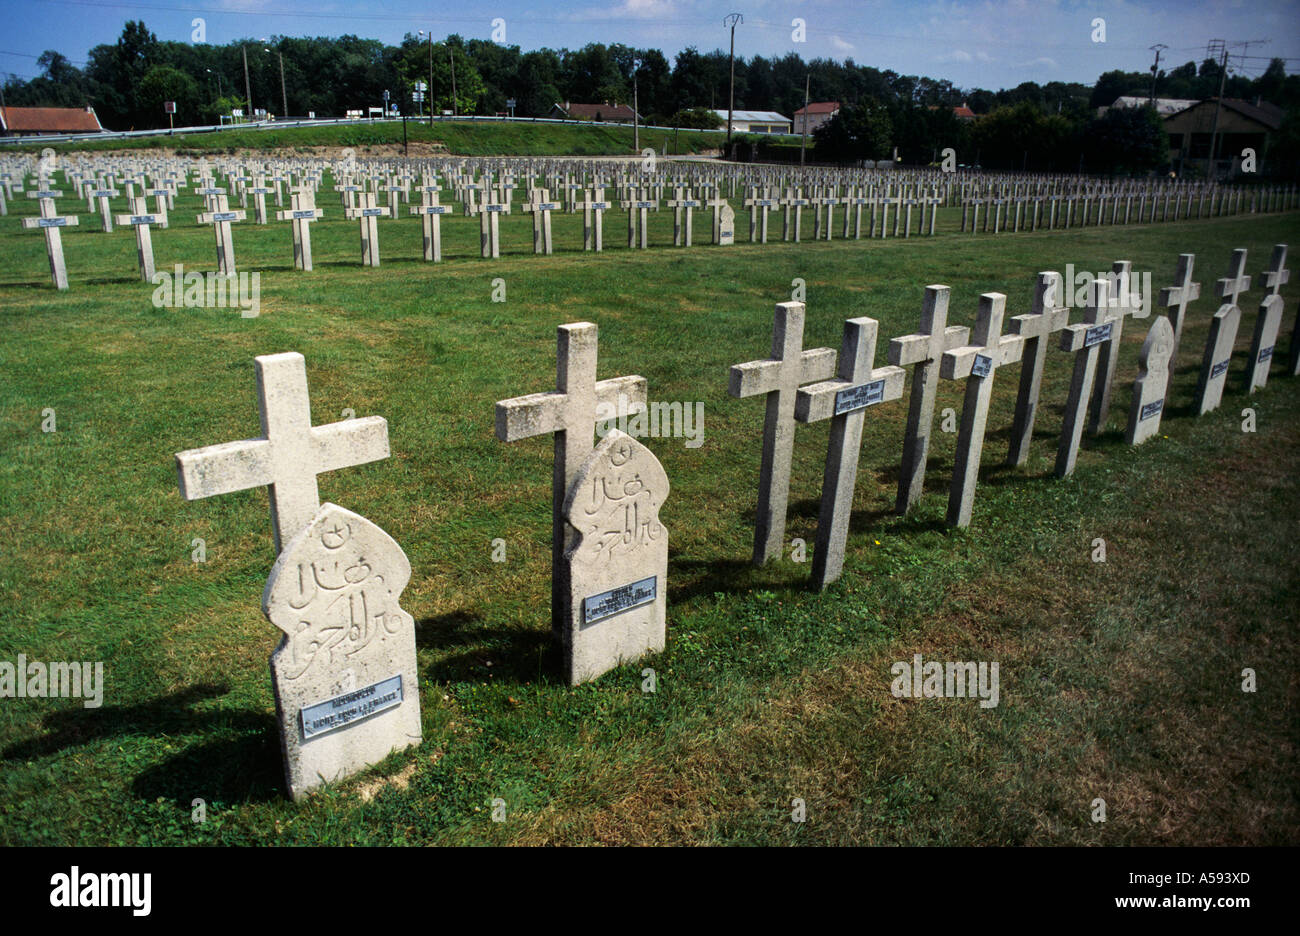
[969,42]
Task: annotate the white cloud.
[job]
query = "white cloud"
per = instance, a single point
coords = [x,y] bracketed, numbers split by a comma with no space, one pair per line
[839,45]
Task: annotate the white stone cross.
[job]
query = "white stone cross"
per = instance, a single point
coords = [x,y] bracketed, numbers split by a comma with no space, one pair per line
[141,219]
[797,202]
[978,364]
[105,212]
[1176,300]
[259,191]
[1236,282]
[220,218]
[637,206]
[290,453]
[759,207]
[1124,301]
[302,213]
[490,227]
[682,204]
[1277,275]
[1268,321]
[49,223]
[1093,331]
[843,401]
[1149,388]
[922,352]
[593,219]
[569,413]
[368,214]
[540,207]
[1223,335]
[431,212]
[778,379]
[1047,315]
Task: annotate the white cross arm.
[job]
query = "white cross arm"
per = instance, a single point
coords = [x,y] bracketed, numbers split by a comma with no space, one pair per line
[300,214]
[913,349]
[763,376]
[235,466]
[817,401]
[1075,337]
[1231,286]
[542,413]
[224,468]
[62,221]
[209,217]
[1174,295]
[1038,324]
[957,363]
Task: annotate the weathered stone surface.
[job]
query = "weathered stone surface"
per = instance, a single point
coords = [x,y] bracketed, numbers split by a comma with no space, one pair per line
[778,378]
[1222,337]
[922,351]
[569,412]
[345,677]
[1084,341]
[1268,322]
[727,225]
[291,452]
[1152,382]
[1046,316]
[617,565]
[1124,301]
[1176,300]
[977,363]
[844,401]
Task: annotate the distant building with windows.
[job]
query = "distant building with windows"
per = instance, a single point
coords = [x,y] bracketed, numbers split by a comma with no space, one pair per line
[752,121]
[1165,107]
[1241,125]
[815,115]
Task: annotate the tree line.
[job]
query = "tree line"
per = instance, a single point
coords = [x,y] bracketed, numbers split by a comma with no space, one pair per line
[1031,126]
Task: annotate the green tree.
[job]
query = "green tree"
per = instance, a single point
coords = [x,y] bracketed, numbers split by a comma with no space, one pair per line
[163,83]
[858,131]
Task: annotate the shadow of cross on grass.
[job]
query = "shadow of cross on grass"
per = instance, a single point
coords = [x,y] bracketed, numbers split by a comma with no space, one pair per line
[242,764]
[465,648]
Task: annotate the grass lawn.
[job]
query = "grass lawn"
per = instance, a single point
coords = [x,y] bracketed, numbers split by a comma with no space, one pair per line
[1119,680]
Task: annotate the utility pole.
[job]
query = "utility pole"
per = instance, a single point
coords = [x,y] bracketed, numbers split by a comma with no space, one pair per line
[732,20]
[1220,46]
[452,50]
[284,95]
[803,142]
[1155,69]
[429,93]
[248,88]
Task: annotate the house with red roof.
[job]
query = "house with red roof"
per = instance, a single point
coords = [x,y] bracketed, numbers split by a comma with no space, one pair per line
[815,115]
[39,121]
[605,113]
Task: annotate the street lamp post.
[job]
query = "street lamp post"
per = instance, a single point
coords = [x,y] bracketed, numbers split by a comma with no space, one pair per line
[636,108]
[284,95]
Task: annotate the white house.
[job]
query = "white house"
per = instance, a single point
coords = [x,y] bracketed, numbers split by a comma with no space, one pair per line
[815,115]
[749,121]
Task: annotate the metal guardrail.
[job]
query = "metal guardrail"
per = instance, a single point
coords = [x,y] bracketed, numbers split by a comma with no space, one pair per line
[329,122]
